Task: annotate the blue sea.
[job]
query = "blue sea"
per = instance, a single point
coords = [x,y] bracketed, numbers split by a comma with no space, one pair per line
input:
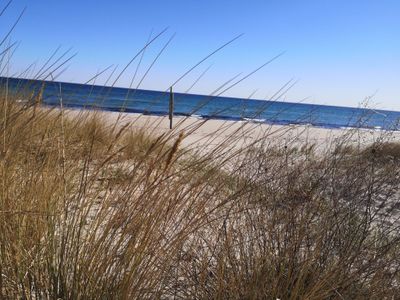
[202,106]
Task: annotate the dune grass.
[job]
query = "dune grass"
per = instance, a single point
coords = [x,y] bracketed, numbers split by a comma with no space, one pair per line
[93,211]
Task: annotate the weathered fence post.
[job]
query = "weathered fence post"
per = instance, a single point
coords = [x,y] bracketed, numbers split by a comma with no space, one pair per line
[171,107]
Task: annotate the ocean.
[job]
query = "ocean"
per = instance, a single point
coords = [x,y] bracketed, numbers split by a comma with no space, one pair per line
[81,96]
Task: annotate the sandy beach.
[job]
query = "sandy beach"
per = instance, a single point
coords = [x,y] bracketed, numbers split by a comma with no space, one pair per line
[206,134]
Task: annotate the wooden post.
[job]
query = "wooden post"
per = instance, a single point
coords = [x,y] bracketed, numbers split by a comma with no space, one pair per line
[171,107]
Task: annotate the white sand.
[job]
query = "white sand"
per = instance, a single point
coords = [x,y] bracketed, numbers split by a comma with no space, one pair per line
[206,134]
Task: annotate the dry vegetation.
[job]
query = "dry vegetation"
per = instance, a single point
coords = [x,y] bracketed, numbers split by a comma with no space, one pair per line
[95,212]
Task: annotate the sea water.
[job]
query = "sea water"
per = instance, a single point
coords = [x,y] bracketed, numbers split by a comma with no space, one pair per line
[204,106]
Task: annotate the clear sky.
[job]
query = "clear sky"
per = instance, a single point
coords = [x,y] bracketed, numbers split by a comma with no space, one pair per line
[341,51]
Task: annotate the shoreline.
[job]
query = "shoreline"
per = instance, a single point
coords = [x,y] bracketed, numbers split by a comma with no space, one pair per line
[221,118]
[200,132]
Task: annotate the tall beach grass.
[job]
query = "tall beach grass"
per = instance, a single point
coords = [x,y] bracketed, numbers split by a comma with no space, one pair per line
[96,210]
[90,210]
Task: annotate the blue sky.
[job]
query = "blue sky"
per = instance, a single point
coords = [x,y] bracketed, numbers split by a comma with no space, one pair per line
[340,51]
